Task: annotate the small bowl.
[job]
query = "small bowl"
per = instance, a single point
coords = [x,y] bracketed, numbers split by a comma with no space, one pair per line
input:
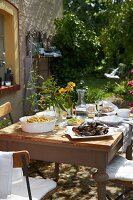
[123,112]
[37,127]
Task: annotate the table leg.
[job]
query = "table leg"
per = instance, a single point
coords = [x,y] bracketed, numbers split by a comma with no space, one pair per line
[129,151]
[101,179]
[56,171]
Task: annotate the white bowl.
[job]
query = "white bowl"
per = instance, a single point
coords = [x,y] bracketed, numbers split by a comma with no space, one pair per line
[123,112]
[37,127]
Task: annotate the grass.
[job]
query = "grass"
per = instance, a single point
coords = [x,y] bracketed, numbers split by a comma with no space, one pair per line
[104,89]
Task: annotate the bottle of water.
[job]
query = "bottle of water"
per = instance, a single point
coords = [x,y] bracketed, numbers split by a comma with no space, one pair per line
[81,111]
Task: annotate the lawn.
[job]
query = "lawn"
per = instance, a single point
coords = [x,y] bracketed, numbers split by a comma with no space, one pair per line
[111,89]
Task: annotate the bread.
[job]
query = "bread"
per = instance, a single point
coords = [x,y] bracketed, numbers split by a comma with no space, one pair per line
[107,109]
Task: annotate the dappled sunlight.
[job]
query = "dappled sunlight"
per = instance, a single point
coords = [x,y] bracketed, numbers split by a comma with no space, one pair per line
[75,182]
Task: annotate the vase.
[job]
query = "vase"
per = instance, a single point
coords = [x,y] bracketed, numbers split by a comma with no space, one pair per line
[59,115]
[70,112]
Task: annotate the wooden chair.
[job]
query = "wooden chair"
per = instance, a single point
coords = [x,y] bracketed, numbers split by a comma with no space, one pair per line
[5,109]
[120,171]
[29,188]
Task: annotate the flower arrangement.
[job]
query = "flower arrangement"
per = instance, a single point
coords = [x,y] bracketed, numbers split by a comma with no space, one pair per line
[49,94]
[56,96]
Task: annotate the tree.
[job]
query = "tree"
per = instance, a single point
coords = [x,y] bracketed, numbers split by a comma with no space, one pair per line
[117,37]
[78,46]
[93,35]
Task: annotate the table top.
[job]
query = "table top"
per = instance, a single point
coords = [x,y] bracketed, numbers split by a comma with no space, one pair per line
[58,137]
[55,146]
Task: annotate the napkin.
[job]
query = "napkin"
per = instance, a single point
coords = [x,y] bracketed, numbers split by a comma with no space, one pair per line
[126,127]
[6,167]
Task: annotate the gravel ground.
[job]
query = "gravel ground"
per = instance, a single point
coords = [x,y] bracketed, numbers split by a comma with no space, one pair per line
[75,182]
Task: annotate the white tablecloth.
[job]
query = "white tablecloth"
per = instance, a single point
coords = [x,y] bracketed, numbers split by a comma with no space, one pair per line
[123,125]
[127,128]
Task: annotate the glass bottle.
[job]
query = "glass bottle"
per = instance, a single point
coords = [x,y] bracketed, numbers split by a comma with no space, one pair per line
[2,72]
[81,105]
[8,77]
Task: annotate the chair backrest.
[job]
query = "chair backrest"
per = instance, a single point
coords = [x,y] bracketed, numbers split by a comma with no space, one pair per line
[22,159]
[18,158]
[5,109]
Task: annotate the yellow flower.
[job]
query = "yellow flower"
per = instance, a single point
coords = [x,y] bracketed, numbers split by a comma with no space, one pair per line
[71,84]
[62,90]
[69,89]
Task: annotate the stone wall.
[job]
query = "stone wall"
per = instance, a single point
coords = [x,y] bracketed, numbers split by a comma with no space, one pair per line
[36,15]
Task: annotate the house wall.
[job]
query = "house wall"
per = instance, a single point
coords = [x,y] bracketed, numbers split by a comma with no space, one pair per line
[36,15]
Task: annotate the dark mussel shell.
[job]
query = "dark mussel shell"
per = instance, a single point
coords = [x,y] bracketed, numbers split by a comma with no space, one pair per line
[91,129]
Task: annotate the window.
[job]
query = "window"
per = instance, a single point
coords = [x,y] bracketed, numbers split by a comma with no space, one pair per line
[9,37]
[1,37]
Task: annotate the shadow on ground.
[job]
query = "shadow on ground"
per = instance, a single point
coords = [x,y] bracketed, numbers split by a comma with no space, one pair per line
[75,182]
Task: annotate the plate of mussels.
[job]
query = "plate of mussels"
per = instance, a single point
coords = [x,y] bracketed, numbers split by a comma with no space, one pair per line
[90,130]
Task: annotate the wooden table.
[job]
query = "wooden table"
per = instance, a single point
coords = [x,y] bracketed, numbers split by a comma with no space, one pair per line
[56,147]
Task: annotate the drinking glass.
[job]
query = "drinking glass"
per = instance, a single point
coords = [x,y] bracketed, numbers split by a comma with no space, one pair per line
[91,110]
[99,106]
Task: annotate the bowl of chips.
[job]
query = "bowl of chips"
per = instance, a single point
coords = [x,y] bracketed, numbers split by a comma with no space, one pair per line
[37,124]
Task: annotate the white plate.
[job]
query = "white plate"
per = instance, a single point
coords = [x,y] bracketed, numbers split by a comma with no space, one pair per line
[70,132]
[111,120]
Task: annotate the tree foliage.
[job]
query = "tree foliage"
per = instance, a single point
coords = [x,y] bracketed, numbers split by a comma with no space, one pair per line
[117,37]
[93,35]
[92,12]
[79,47]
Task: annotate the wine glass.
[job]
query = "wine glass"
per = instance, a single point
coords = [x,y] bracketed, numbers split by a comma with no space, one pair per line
[99,106]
